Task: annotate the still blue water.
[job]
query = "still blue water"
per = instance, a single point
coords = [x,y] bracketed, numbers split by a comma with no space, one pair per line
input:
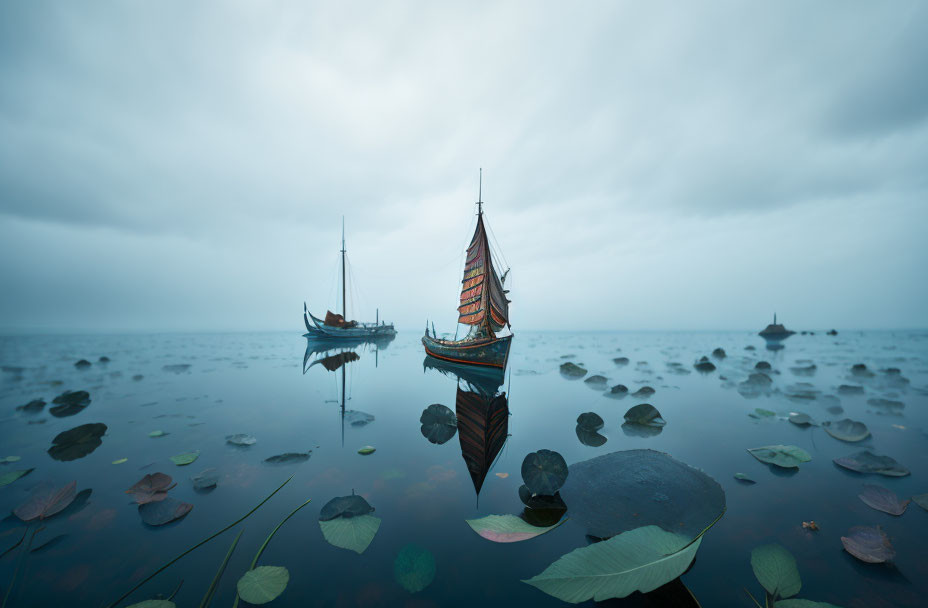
[423,493]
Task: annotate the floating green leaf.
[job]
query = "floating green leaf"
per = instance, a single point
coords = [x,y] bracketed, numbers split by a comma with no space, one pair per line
[744,478]
[163,511]
[288,458]
[507,528]
[241,439]
[847,430]
[786,456]
[157,434]
[368,449]
[11,459]
[414,568]
[11,476]
[800,419]
[867,462]
[919,499]
[352,533]
[760,412]
[644,414]
[263,584]
[775,569]
[439,423]
[642,560]
[120,461]
[185,458]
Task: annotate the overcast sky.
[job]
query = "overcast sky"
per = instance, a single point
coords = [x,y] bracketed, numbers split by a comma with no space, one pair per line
[185,166]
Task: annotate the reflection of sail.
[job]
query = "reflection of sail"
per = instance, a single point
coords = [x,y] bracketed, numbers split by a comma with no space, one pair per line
[483,424]
[338,352]
[333,362]
[482,414]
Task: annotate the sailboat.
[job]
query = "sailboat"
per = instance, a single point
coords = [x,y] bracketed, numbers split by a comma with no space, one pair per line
[338,326]
[483,306]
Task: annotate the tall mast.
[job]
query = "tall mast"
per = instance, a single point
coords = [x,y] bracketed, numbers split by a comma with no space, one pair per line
[480,194]
[344,308]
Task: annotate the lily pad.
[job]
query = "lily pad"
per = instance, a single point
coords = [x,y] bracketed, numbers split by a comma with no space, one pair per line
[157,434]
[800,419]
[151,488]
[596,381]
[263,584]
[352,533]
[45,501]
[32,407]
[541,501]
[704,365]
[744,478]
[572,371]
[414,568]
[868,544]
[11,476]
[544,472]
[919,499]
[785,456]
[624,490]
[439,423]
[644,392]
[506,528]
[120,461]
[77,442]
[641,559]
[590,438]
[644,414]
[241,439]
[883,499]
[367,450]
[69,403]
[288,457]
[775,569]
[345,506]
[847,430]
[205,479]
[868,462]
[163,511]
[185,458]
[760,412]
[590,421]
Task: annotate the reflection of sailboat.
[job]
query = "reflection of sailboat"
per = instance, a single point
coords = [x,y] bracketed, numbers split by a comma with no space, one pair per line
[484,306]
[482,415]
[336,355]
[337,326]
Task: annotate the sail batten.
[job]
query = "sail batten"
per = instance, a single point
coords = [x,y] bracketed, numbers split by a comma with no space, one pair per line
[483,301]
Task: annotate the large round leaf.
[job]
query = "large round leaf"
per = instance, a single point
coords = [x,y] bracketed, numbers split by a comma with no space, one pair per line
[590,438]
[868,462]
[163,511]
[785,456]
[438,423]
[847,430]
[882,499]
[644,414]
[352,533]
[641,559]
[151,488]
[46,500]
[77,442]
[345,506]
[624,490]
[775,569]
[868,544]
[263,584]
[544,472]
[590,421]
[414,568]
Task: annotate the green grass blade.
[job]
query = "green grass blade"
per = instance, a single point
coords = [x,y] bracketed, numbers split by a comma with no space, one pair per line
[212,588]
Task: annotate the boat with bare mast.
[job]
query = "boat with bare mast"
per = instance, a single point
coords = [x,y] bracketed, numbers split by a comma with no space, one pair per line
[483,306]
[337,326]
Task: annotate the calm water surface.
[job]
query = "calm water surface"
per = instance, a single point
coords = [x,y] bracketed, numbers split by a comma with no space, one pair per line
[423,492]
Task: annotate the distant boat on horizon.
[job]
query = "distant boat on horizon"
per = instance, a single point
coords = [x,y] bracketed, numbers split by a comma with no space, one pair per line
[337,326]
[483,306]
[775,331]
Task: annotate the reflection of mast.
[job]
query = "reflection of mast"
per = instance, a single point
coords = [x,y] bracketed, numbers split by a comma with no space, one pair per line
[343,406]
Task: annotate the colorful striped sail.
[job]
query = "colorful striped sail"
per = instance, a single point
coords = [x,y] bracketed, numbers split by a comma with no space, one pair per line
[483,300]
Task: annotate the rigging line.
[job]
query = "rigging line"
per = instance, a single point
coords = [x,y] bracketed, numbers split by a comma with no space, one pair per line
[495,244]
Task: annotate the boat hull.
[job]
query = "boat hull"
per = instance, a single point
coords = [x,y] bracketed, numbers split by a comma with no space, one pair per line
[316,328]
[491,352]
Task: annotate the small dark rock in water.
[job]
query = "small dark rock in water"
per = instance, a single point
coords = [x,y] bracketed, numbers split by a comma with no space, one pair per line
[886,404]
[719,353]
[571,370]
[704,365]
[590,421]
[137,377]
[599,380]
[808,370]
[104,359]
[72,397]
[850,389]
[832,332]
[82,364]
[644,391]
[860,370]
[619,390]
[620,360]
[759,379]
[762,366]
[33,406]
[892,371]
[749,347]
[176,368]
